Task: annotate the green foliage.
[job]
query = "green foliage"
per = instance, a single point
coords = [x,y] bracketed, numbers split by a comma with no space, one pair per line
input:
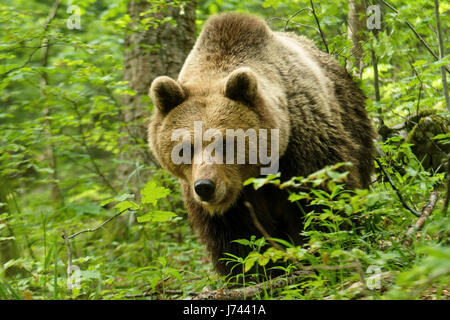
[367,227]
[63,132]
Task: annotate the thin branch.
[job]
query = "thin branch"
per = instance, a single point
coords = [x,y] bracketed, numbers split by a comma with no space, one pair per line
[5,74]
[69,258]
[293,16]
[436,57]
[52,14]
[88,149]
[45,41]
[55,189]
[147,155]
[361,46]
[259,226]
[426,212]
[376,85]
[44,45]
[274,284]
[252,291]
[420,88]
[318,25]
[441,53]
[294,23]
[99,226]
[397,191]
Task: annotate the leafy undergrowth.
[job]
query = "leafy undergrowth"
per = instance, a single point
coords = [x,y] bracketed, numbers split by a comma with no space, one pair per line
[149,252]
[63,136]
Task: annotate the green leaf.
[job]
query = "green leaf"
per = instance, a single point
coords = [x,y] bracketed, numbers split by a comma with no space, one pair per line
[442,136]
[121,206]
[411,171]
[244,242]
[337,176]
[175,273]
[250,260]
[259,182]
[152,193]
[271,3]
[298,196]
[105,202]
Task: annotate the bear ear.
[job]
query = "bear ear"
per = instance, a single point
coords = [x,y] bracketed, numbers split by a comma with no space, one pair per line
[242,86]
[166,94]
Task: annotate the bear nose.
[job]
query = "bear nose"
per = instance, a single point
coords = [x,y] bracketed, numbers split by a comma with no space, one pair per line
[205,189]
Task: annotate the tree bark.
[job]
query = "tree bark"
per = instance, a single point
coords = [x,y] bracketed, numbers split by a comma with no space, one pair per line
[356,25]
[158,50]
[441,54]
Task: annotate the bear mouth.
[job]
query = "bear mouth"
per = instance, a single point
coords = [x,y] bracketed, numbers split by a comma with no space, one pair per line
[222,205]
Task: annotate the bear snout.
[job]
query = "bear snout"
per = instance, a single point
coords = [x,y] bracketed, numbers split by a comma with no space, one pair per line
[205,188]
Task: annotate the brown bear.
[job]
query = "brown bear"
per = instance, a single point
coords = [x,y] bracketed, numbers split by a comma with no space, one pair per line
[242,75]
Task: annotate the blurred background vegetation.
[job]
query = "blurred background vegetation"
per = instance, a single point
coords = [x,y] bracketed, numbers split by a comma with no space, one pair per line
[73,150]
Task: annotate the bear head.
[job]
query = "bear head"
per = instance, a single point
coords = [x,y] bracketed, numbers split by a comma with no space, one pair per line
[215,134]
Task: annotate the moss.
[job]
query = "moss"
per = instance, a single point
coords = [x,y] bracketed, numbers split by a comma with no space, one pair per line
[431,152]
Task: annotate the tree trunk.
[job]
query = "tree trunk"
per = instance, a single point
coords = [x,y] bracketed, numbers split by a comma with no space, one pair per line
[50,151]
[356,24]
[441,54]
[158,50]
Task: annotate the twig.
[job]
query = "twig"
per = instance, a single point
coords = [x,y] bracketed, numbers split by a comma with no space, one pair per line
[259,226]
[44,44]
[441,53]
[294,23]
[273,284]
[376,85]
[99,226]
[447,194]
[420,88]
[51,151]
[88,149]
[436,57]
[391,182]
[147,155]
[45,41]
[426,212]
[318,25]
[251,291]
[5,74]
[69,249]
[361,46]
[289,20]
[69,258]
[293,16]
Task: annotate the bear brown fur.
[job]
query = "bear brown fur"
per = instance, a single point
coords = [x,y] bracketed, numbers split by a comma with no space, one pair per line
[240,74]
